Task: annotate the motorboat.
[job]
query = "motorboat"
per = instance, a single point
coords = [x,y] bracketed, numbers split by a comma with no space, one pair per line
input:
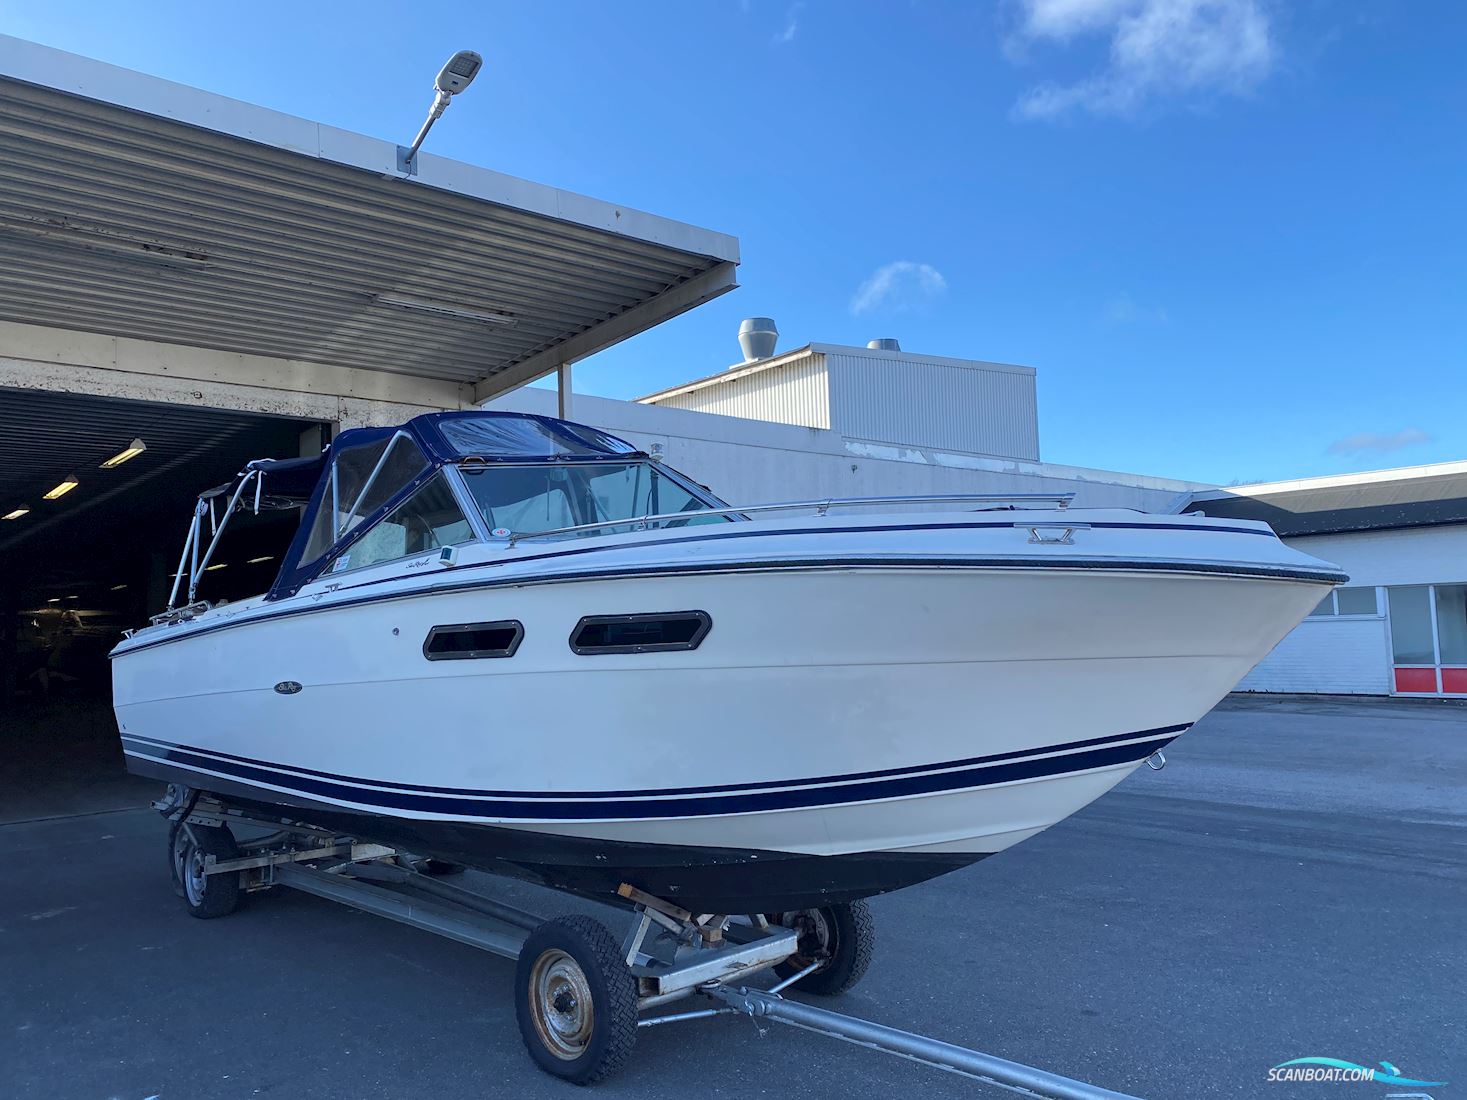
[521,644]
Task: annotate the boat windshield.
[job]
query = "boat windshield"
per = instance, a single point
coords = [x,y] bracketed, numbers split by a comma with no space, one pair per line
[527,499]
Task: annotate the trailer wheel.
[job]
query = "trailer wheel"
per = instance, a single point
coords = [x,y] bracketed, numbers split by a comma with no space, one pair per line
[173,858]
[206,896]
[843,937]
[576,1000]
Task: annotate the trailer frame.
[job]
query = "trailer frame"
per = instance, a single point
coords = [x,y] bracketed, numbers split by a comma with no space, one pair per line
[669,953]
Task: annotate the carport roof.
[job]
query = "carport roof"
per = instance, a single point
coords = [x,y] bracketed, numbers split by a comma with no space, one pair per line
[1411,496]
[137,207]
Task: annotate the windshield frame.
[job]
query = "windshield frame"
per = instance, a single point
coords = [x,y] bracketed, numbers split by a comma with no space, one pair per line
[704,496]
[332,566]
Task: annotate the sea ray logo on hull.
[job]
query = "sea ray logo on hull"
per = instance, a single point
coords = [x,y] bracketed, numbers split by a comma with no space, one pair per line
[288,687]
[1335,1070]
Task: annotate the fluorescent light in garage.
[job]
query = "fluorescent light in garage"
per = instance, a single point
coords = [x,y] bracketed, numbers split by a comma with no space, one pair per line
[211,568]
[117,588]
[257,561]
[132,450]
[54,599]
[65,487]
[17,513]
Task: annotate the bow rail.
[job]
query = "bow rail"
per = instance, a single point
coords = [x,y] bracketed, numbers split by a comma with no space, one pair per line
[820,507]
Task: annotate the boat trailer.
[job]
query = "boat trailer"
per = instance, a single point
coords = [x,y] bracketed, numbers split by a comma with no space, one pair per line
[580,996]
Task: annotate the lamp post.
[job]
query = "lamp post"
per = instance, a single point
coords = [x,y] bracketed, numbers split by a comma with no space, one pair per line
[453,78]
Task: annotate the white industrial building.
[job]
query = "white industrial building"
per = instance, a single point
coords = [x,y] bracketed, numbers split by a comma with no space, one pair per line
[1399,627]
[880,394]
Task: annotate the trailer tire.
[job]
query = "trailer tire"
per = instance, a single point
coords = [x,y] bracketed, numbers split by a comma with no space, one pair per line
[845,935]
[173,859]
[205,896]
[575,999]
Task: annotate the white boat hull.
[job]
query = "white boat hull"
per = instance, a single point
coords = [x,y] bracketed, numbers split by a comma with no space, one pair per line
[862,722]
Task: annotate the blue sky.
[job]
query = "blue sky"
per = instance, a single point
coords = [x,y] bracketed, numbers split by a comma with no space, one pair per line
[1230,234]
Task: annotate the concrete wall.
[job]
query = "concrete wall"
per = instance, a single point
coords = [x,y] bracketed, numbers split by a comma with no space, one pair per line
[1352,654]
[1417,555]
[34,357]
[751,461]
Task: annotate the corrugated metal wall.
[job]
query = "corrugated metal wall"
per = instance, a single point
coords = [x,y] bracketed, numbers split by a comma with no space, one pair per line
[792,393]
[931,403]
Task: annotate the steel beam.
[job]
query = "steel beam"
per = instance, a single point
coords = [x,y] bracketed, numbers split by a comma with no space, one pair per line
[475,930]
[918,1048]
[679,299]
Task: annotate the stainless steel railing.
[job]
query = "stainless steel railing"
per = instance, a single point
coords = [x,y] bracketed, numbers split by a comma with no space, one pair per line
[820,507]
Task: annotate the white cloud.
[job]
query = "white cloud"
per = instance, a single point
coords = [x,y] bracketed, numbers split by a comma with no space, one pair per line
[1063,19]
[1378,442]
[898,286]
[1158,48]
[791,25]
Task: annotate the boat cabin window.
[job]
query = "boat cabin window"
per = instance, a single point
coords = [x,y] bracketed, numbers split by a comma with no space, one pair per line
[361,480]
[402,462]
[425,521]
[545,497]
[658,632]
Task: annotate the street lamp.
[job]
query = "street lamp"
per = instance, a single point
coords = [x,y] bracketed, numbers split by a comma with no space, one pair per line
[453,78]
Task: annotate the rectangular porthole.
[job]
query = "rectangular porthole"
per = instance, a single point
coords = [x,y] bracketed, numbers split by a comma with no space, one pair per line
[658,632]
[473,641]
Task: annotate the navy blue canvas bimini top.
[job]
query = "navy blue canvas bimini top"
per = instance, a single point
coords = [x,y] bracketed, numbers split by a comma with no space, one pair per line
[443,438]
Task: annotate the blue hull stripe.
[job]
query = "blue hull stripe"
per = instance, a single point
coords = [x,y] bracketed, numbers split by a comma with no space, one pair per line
[617,807]
[155,746]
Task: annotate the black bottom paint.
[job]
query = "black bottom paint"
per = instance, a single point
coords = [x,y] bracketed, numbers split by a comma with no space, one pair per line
[706,880]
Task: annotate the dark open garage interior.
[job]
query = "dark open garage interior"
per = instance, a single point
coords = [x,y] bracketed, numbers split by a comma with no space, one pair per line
[99,558]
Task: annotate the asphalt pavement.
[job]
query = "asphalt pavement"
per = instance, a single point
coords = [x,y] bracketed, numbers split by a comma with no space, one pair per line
[1293,884]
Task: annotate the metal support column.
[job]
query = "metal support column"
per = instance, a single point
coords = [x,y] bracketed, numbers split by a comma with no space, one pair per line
[563,391]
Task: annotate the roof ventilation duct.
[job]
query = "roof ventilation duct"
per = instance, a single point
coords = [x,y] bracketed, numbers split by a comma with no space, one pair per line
[884,343]
[757,336]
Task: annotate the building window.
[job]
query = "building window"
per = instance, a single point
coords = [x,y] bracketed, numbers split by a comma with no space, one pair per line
[1429,638]
[1451,623]
[1411,633]
[1356,600]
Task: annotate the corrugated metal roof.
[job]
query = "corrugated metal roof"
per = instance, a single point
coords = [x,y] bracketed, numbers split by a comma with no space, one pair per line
[1420,496]
[136,207]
